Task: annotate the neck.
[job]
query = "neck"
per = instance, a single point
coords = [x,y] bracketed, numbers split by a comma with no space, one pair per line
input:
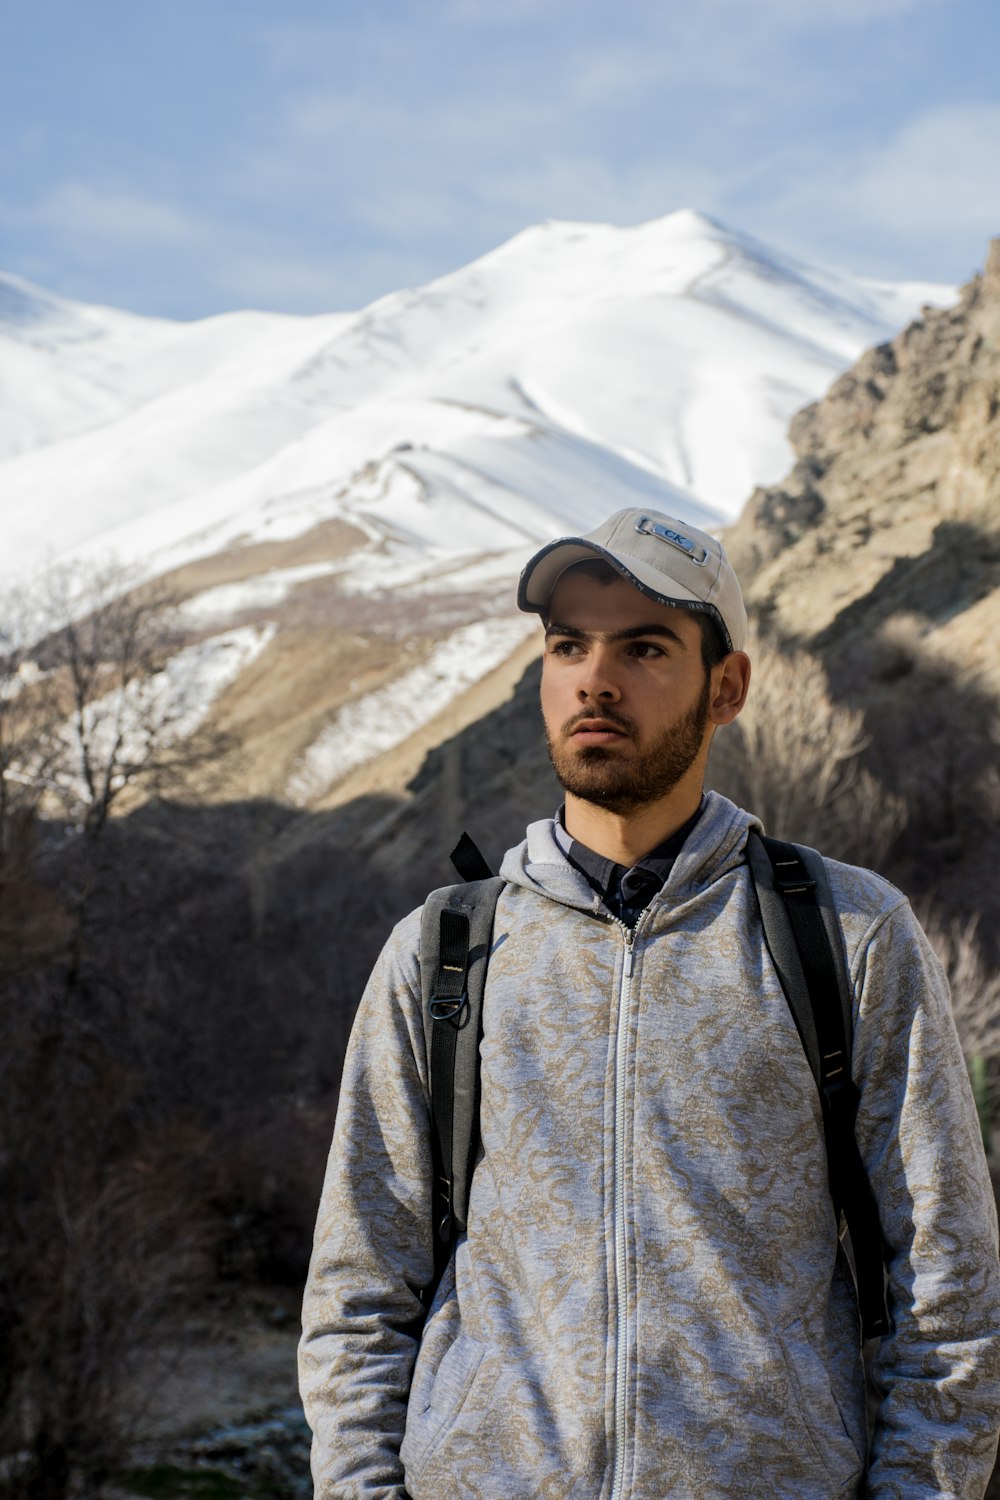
[626,837]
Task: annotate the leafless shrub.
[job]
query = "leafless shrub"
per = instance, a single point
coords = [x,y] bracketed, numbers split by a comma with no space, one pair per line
[793,758]
[29,743]
[936,733]
[101,1223]
[36,924]
[119,713]
[975,988]
[99,1237]
[975,1001]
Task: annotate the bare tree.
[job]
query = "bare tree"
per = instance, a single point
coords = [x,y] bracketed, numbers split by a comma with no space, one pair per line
[101,1238]
[29,743]
[97,704]
[975,989]
[793,757]
[127,714]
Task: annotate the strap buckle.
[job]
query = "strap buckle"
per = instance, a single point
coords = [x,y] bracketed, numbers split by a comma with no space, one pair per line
[447,1007]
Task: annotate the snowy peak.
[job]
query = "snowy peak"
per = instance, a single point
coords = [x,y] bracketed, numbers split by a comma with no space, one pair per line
[663,361]
[358,491]
[31,313]
[660,362]
[24,306]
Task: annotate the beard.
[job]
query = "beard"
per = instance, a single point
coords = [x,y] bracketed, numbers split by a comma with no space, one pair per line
[598,774]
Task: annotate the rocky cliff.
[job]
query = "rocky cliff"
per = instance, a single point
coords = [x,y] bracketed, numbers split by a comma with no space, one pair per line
[893,504]
[880,553]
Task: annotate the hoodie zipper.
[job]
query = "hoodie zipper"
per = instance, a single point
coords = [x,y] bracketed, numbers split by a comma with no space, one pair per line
[621,1336]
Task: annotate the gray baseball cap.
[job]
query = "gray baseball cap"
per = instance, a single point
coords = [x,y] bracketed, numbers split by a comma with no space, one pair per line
[666,559]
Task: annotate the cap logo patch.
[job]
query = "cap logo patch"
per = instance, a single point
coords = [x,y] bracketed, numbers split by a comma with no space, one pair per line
[683,544]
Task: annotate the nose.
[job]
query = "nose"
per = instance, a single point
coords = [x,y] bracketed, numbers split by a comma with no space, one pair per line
[598,682]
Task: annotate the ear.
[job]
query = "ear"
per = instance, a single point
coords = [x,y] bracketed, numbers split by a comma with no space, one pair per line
[730,683]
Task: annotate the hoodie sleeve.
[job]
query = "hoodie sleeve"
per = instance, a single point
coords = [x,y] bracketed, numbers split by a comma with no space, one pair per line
[937,1375]
[372,1251]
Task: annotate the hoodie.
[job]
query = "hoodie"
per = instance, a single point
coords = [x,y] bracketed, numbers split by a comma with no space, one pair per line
[652,1299]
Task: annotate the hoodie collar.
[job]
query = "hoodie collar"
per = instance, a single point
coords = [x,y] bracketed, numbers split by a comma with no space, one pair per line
[626,890]
[714,846]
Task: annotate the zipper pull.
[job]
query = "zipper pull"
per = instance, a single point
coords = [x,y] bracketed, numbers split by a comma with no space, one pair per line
[629,950]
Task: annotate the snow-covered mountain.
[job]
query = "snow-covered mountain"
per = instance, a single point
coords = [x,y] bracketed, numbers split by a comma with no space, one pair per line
[397,464]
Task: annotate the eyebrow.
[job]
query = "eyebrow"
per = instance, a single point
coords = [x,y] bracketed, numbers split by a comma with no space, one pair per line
[609,637]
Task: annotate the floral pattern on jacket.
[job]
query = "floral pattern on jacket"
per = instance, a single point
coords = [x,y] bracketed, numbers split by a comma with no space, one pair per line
[651,1300]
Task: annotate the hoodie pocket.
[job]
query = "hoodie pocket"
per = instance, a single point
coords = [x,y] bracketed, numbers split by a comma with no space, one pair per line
[819,1411]
[436,1400]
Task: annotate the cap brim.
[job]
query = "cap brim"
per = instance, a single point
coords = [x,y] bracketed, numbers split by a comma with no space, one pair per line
[547,566]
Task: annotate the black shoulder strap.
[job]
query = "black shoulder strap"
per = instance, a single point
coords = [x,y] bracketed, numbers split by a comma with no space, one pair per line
[469,861]
[804,939]
[455,938]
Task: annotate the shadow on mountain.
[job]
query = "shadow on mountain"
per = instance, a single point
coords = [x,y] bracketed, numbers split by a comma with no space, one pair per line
[175,1001]
[960,567]
[933,730]
[493,779]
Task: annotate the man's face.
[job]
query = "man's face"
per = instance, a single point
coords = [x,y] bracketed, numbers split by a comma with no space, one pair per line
[625,695]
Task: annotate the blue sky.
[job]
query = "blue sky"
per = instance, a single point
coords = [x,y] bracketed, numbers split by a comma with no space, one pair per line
[190,157]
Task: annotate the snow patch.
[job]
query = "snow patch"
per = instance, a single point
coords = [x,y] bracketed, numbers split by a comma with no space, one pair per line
[266,591]
[381,720]
[169,706]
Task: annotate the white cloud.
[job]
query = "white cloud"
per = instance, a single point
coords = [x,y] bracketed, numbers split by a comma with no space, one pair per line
[571,185]
[473,173]
[113,216]
[390,145]
[930,189]
[921,203]
[502,12]
[341,280]
[798,15]
[940,172]
[617,73]
[497,161]
[458,127]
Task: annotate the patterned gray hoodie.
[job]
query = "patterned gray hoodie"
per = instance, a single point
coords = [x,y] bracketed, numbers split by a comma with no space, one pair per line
[651,1300]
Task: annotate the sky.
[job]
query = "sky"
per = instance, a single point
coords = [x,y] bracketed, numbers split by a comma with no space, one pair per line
[189,157]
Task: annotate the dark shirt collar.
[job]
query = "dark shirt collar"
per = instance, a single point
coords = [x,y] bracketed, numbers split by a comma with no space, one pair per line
[625,892]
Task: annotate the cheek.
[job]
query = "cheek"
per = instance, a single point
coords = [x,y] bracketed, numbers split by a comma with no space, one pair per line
[556,694]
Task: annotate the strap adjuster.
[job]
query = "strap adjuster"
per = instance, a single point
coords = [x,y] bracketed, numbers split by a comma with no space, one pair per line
[794,883]
[446,1007]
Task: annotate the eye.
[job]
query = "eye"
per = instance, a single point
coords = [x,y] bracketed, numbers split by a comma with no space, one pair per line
[645,650]
[563,648]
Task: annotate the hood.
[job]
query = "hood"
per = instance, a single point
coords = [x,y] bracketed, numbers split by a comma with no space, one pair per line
[714,847]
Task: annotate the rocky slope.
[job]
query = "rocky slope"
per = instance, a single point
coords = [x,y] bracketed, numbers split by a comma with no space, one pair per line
[881,553]
[893,504]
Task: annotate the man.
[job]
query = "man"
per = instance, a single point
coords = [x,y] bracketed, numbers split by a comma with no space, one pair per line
[651,1300]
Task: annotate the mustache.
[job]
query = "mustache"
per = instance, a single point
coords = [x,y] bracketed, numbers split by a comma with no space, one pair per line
[607,715]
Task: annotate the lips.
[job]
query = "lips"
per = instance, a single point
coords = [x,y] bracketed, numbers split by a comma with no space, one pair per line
[598,732]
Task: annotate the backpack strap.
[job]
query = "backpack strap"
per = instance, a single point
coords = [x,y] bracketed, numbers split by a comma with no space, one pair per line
[805,943]
[469,861]
[455,937]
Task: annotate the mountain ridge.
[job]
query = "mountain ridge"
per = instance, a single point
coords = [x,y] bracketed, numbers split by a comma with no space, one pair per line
[877,561]
[383,474]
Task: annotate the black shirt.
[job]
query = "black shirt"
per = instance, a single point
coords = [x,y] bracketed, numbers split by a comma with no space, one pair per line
[625,892]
